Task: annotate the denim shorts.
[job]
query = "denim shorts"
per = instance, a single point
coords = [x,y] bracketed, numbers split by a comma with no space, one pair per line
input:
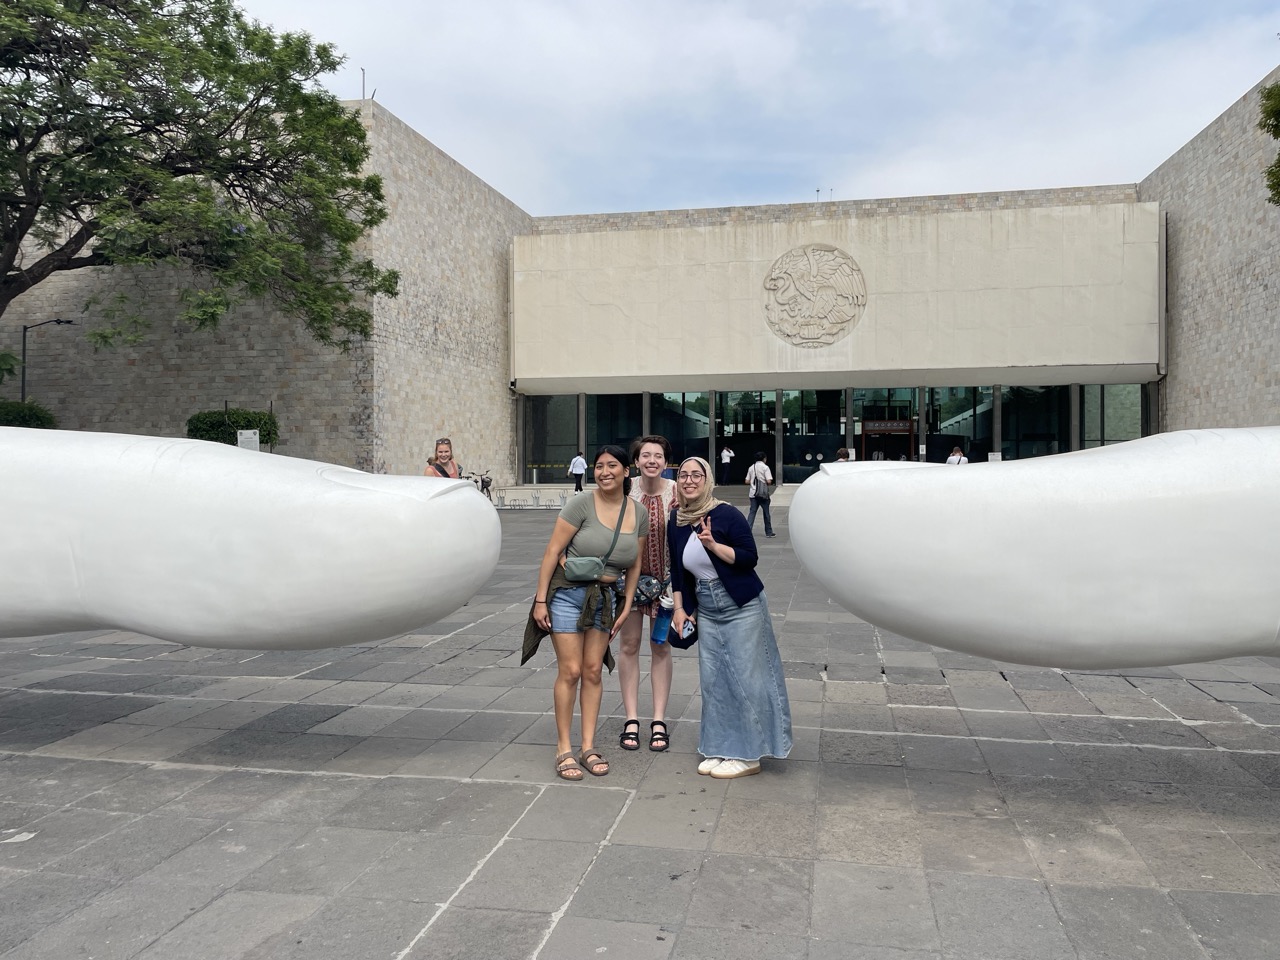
[566,608]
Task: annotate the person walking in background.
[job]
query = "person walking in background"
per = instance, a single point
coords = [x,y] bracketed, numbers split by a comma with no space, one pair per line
[443,464]
[657,495]
[577,470]
[842,455]
[759,484]
[582,616]
[745,711]
[726,454]
[957,456]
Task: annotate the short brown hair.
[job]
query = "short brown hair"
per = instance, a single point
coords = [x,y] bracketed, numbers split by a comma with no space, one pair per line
[639,442]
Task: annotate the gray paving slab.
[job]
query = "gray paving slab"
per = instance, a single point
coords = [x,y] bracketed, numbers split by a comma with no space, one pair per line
[399,797]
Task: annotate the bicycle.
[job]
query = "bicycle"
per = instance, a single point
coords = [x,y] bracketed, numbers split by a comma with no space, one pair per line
[482,481]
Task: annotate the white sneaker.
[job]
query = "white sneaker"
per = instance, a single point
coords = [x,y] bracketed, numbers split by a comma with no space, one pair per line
[709,764]
[731,769]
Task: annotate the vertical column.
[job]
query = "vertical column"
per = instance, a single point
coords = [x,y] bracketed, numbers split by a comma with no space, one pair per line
[713,428]
[997,428]
[1151,422]
[1074,426]
[848,417]
[522,414]
[582,426]
[644,414]
[922,422]
[777,436]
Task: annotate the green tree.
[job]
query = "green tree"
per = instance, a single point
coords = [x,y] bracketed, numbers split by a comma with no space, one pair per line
[180,133]
[1269,123]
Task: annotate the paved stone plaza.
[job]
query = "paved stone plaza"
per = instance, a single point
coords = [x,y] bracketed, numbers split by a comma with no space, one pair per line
[398,801]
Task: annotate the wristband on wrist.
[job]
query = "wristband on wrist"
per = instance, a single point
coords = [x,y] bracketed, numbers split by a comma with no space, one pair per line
[536,600]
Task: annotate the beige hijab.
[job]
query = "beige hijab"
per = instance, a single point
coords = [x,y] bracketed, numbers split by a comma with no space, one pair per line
[691,511]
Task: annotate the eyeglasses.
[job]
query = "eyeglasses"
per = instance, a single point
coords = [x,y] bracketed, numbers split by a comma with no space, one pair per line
[690,476]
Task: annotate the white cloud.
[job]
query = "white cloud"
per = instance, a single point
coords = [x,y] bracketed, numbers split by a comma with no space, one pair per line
[578,105]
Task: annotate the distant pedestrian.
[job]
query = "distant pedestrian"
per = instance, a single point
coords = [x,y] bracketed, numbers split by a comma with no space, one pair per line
[759,484]
[577,470]
[442,463]
[957,456]
[726,454]
[842,455]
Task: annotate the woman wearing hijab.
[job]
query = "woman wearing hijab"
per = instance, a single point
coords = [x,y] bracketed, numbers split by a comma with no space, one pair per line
[745,712]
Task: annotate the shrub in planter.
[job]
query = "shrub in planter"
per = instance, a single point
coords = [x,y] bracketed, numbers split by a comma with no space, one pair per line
[220,426]
[29,414]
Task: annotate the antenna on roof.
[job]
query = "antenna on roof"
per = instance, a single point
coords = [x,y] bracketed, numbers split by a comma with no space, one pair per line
[362,83]
[817,195]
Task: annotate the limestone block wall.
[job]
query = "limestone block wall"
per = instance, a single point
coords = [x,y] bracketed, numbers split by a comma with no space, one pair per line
[255,359]
[1223,266]
[441,349]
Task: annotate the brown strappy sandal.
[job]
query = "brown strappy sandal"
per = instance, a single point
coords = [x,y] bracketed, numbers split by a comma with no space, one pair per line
[567,767]
[589,764]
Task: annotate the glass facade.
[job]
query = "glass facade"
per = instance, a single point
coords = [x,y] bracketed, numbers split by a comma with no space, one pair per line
[802,429]
[550,437]
[1034,421]
[746,421]
[684,419]
[1112,413]
[813,429]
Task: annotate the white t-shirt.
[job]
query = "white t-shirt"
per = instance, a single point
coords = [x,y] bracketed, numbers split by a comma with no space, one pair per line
[759,469]
[726,455]
[578,465]
[957,459]
[696,560]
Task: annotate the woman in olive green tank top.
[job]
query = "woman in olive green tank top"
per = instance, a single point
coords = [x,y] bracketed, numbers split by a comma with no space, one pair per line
[582,618]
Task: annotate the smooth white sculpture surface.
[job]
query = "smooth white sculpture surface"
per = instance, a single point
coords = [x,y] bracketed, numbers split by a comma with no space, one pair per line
[205,544]
[1157,551]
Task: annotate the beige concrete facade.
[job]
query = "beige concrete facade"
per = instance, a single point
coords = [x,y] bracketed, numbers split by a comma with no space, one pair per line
[1009,295]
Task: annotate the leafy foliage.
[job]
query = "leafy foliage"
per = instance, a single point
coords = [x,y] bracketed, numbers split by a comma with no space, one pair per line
[177,132]
[1270,125]
[220,426]
[29,414]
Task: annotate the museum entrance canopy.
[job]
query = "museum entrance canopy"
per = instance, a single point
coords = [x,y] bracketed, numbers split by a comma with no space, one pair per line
[1026,295]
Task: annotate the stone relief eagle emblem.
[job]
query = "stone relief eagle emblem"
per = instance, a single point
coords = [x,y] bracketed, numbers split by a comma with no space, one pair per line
[814,295]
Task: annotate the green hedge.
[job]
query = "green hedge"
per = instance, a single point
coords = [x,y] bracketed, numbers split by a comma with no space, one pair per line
[220,426]
[29,414]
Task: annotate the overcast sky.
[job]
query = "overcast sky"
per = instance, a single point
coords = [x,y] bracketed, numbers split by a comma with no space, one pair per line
[581,106]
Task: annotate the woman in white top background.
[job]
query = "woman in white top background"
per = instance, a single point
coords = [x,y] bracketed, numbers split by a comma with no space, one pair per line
[957,456]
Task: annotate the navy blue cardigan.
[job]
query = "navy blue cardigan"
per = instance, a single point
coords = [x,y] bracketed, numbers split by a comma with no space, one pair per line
[729,527]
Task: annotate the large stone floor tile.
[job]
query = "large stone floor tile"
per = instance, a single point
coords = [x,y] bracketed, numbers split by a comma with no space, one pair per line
[581,938]
[872,906]
[955,793]
[227,795]
[134,848]
[119,924]
[346,928]
[643,884]
[569,813]
[1074,851]
[231,925]
[757,893]
[857,834]
[166,742]
[452,758]
[320,862]
[36,901]
[871,786]
[985,845]
[533,875]
[960,754]
[1199,860]
[1121,923]
[226,855]
[478,934]
[484,809]
[1232,926]
[58,834]
[730,943]
[996,918]
[145,790]
[394,804]
[377,756]
[422,867]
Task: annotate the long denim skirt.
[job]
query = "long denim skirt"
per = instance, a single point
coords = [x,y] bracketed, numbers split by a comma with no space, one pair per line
[745,711]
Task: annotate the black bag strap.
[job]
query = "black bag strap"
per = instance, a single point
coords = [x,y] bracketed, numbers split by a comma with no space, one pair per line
[616,530]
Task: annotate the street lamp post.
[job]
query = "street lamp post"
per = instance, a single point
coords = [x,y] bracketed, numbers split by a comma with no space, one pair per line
[25,328]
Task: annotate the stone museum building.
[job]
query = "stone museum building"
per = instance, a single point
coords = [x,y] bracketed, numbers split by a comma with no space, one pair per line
[1013,324]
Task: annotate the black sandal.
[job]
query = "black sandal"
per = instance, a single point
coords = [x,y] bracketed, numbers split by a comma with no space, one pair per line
[630,739]
[655,737]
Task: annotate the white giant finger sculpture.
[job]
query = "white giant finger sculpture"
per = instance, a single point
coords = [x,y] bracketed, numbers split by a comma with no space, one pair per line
[205,544]
[1156,551]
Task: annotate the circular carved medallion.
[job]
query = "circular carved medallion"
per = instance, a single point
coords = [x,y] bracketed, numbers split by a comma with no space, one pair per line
[814,295]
